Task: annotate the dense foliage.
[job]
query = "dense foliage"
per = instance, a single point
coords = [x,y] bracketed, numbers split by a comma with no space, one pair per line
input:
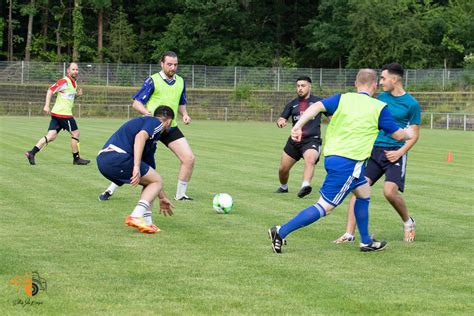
[303,33]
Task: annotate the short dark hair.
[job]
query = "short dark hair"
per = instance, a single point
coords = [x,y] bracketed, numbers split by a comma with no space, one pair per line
[168,54]
[394,69]
[305,78]
[164,111]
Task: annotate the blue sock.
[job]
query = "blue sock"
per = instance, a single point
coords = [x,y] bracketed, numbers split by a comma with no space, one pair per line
[361,212]
[307,216]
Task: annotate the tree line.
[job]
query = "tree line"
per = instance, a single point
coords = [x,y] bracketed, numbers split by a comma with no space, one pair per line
[284,33]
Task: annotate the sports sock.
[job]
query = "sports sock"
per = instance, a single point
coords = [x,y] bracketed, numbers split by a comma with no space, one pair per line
[409,222]
[307,216]
[305,184]
[75,155]
[112,187]
[284,186]
[147,217]
[181,189]
[361,212]
[34,150]
[140,209]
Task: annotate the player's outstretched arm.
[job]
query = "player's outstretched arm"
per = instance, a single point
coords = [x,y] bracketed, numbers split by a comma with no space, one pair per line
[49,95]
[137,105]
[404,134]
[140,140]
[394,155]
[184,113]
[310,113]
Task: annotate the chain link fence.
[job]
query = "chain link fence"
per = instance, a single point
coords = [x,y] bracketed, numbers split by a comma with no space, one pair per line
[212,77]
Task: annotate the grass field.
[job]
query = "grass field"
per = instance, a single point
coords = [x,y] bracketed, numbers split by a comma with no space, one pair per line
[206,263]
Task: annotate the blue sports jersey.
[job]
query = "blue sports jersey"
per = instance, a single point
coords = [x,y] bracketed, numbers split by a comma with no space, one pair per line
[124,137]
[386,121]
[405,110]
[148,87]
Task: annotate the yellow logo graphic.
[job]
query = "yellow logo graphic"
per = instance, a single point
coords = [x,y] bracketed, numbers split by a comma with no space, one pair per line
[31,283]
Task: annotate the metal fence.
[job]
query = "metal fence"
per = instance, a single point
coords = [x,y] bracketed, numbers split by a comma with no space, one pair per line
[211,77]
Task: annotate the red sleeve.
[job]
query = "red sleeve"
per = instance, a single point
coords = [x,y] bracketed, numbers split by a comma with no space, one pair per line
[58,86]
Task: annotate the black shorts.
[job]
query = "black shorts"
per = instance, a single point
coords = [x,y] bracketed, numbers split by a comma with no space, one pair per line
[296,149]
[171,135]
[59,123]
[378,165]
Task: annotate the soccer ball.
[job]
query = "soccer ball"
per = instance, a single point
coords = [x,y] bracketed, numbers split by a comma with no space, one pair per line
[222,203]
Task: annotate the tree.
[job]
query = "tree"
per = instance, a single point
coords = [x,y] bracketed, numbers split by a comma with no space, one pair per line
[30,10]
[77,30]
[99,6]
[122,39]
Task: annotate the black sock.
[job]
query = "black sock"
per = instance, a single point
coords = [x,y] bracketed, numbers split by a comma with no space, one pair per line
[75,155]
[34,150]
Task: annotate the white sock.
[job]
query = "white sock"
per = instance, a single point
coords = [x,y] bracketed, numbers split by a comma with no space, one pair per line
[305,184]
[112,187]
[147,217]
[284,186]
[408,222]
[140,209]
[181,189]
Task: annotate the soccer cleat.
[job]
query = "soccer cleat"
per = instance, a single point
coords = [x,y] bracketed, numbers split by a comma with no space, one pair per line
[409,231]
[184,198]
[305,191]
[344,238]
[280,190]
[30,157]
[105,196]
[139,223]
[373,246]
[277,241]
[80,161]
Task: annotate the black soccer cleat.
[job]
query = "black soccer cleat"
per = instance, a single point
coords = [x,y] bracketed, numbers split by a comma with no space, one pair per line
[105,196]
[280,190]
[30,157]
[373,246]
[184,198]
[80,162]
[305,191]
[277,241]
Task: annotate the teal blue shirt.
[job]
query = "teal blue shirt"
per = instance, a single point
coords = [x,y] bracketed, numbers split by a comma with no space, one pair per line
[405,110]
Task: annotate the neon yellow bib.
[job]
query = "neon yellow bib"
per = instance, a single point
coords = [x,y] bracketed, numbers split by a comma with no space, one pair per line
[65,99]
[353,127]
[165,94]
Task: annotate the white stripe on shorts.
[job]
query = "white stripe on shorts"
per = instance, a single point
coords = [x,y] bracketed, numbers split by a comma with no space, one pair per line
[404,164]
[343,191]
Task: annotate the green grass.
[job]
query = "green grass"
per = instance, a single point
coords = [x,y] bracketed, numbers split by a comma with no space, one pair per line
[206,263]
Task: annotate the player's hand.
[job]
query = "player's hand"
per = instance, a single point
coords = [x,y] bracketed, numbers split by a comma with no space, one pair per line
[186,119]
[46,109]
[78,92]
[135,179]
[166,208]
[281,122]
[393,155]
[296,134]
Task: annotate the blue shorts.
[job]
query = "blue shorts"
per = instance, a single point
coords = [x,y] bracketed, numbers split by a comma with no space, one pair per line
[343,176]
[379,165]
[118,167]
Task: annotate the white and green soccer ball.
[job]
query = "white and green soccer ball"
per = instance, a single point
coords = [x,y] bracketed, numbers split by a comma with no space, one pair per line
[222,203]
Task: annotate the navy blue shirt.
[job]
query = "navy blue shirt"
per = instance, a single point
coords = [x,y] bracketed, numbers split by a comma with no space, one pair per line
[295,108]
[386,120]
[148,88]
[124,137]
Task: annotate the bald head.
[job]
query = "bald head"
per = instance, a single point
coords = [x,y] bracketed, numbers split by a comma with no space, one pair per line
[366,81]
[73,70]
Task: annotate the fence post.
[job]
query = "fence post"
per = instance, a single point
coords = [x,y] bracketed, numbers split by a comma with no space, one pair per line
[465,123]
[192,76]
[149,70]
[278,79]
[271,115]
[225,114]
[431,120]
[235,77]
[447,121]
[406,78]
[79,110]
[64,69]
[107,77]
[22,71]
[128,110]
[29,109]
[320,77]
[205,76]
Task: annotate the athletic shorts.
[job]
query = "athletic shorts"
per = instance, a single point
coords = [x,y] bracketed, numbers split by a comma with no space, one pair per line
[378,165]
[171,135]
[296,149]
[59,123]
[118,167]
[343,176]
